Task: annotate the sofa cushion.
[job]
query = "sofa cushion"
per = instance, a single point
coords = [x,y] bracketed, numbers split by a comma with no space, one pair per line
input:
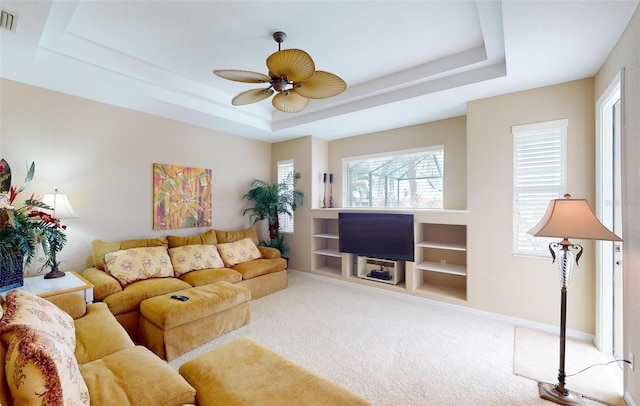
[135,376]
[208,238]
[42,369]
[103,283]
[28,311]
[192,257]
[258,267]
[136,264]
[237,235]
[237,252]
[129,299]
[90,345]
[100,248]
[207,276]
[167,313]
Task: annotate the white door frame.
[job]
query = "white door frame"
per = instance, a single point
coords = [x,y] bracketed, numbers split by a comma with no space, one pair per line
[604,211]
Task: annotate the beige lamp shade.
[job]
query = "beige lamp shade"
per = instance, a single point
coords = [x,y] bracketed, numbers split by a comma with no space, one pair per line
[61,207]
[571,218]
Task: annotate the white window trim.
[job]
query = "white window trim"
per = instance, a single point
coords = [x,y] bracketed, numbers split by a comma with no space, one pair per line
[538,129]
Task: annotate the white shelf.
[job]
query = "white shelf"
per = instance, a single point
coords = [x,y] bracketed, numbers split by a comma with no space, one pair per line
[331,236]
[452,269]
[442,245]
[328,252]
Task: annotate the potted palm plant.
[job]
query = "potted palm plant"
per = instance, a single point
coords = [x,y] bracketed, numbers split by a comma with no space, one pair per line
[271,201]
[23,229]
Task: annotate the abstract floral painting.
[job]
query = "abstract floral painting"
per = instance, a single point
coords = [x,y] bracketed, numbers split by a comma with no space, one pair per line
[181,197]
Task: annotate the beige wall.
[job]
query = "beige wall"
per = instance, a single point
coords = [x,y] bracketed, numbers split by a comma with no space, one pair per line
[451,133]
[497,280]
[101,156]
[626,54]
[299,150]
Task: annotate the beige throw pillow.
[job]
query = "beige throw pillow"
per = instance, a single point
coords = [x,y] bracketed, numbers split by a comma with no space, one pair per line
[237,252]
[40,364]
[135,264]
[189,258]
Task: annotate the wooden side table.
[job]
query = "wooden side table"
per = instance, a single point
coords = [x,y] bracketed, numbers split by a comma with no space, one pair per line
[71,282]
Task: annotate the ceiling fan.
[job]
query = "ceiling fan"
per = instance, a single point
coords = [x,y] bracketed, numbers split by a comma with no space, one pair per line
[292,74]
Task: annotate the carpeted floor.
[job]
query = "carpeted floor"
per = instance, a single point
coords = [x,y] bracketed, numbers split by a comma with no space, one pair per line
[536,356]
[390,349]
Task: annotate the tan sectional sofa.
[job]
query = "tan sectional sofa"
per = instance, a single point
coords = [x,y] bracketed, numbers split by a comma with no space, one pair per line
[104,367]
[261,276]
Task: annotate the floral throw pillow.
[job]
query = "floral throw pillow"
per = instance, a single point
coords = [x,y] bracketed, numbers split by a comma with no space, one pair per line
[40,364]
[237,252]
[40,369]
[27,310]
[189,258]
[136,264]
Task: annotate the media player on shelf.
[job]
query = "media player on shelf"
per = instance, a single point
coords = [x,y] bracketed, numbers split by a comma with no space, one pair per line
[380,275]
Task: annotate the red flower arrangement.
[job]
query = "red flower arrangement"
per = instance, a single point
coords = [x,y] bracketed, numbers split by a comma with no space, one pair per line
[25,228]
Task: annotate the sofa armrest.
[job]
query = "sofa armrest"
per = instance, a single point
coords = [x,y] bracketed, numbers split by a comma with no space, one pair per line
[269,252]
[71,303]
[103,283]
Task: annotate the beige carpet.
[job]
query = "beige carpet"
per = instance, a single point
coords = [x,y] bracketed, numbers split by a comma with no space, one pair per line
[536,356]
[388,348]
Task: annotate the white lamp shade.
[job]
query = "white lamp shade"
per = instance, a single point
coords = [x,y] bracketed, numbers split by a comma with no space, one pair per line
[571,218]
[61,207]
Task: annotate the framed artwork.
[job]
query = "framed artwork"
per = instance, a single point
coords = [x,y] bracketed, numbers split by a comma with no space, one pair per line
[181,197]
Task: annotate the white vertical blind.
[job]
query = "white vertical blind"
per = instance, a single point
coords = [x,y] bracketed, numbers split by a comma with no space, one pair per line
[539,176]
[285,169]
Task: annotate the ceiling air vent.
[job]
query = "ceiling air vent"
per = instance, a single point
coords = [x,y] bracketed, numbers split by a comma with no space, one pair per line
[8,20]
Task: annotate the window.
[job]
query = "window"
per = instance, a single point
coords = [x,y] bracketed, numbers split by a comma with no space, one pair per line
[539,175]
[285,173]
[412,179]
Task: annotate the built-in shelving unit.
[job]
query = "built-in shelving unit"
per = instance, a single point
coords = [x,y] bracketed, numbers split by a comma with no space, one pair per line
[440,268]
[326,256]
[441,256]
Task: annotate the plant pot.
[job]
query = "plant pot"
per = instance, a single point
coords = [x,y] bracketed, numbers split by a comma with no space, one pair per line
[11,274]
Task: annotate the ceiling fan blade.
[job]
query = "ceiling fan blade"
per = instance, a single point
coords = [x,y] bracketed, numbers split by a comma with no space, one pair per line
[295,64]
[243,76]
[289,101]
[321,85]
[251,96]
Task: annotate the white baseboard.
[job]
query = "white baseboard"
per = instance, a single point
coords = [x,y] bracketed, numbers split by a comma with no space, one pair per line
[579,335]
[629,400]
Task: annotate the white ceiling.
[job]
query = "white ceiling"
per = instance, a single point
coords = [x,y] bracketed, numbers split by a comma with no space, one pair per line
[405,62]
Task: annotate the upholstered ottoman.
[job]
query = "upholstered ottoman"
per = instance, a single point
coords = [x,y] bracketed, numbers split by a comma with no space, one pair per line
[243,372]
[171,327]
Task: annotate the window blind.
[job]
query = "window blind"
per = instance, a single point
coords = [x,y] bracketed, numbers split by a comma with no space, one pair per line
[539,175]
[285,170]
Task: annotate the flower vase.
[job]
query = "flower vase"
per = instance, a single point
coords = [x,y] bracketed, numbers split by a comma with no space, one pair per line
[11,273]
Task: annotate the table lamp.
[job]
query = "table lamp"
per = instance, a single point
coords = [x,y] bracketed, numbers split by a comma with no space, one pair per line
[61,210]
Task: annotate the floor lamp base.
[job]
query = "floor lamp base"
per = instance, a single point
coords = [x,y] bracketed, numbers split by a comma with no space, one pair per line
[548,391]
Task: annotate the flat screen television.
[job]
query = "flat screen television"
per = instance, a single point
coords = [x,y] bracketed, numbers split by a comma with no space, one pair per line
[377,235]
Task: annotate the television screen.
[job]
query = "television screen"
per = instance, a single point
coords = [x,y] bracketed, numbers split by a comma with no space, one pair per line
[377,235]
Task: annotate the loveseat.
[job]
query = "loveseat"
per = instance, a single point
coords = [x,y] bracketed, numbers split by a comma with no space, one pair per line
[74,353]
[241,261]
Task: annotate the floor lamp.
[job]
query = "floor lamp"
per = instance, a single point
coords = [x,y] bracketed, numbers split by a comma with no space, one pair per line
[567,218]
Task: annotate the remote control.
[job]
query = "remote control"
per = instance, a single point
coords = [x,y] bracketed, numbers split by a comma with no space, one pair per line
[180,298]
